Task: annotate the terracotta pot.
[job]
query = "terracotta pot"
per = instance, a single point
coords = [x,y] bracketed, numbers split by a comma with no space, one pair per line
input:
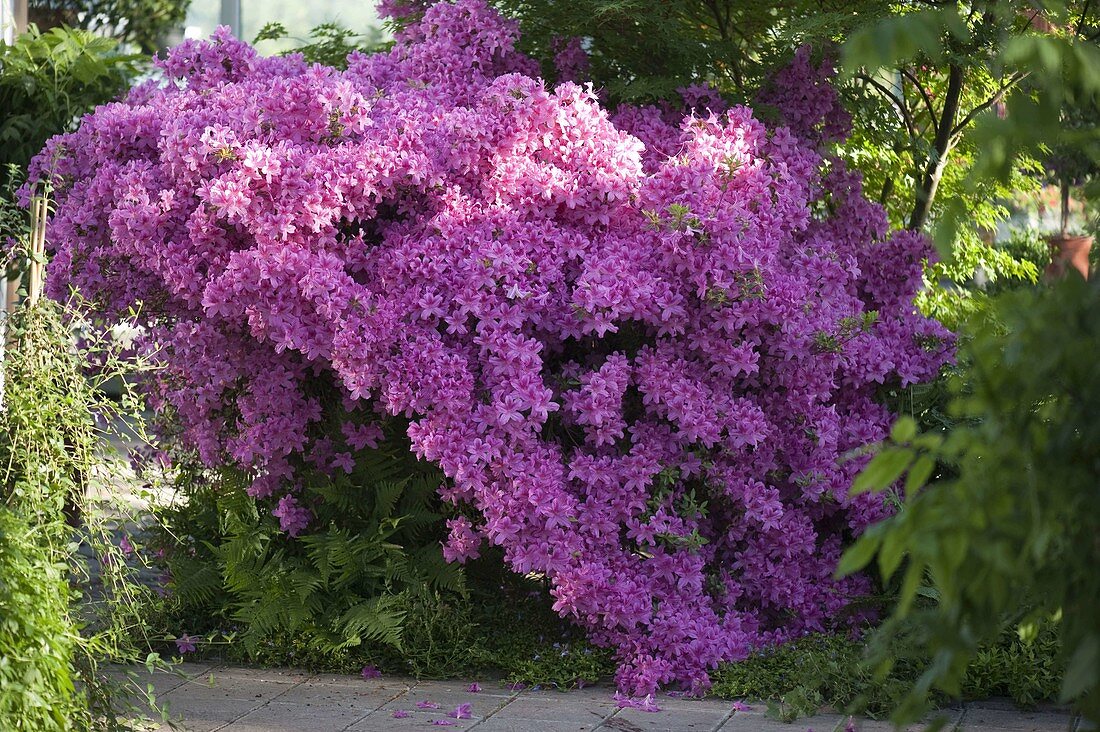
[1068,251]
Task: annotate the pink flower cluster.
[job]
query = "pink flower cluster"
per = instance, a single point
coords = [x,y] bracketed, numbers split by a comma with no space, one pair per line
[640,360]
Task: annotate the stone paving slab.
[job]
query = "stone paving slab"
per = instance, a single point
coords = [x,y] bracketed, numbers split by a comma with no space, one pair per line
[279,716]
[978,719]
[587,711]
[705,719]
[202,698]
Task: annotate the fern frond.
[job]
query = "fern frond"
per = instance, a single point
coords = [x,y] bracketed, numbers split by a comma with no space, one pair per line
[379,619]
[195,582]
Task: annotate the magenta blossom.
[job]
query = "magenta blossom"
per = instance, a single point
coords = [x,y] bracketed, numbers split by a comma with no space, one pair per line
[427,705]
[186,643]
[370,672]
[646,703]
[125,546]
[474,688]
[462,711]
[293,519]
[400,714]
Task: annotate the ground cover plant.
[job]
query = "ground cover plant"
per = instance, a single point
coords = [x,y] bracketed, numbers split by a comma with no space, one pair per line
[642,347]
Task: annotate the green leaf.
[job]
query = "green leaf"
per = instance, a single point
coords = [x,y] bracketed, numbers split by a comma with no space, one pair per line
[858,555]
[900,38]
[1081,671]
[910,587]
[892,551]
[883,470]
[919,473]
[904,429]
[945,231]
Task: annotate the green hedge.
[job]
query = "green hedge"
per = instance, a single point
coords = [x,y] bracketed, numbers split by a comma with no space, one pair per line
[37,637]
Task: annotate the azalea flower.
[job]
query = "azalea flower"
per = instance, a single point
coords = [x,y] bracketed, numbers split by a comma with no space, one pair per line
[507,248]
[370,672]
[443,723]
[427,705]
[125,546]
[400,714]
[462,711]
[645,704]
[474,688]
[186,643]
[739,706]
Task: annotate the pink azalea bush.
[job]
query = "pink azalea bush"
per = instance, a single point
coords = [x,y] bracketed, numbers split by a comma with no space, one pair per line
[640,346]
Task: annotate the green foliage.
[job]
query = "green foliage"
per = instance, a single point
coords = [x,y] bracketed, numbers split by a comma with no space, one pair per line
[935,77]
[141,23]
[14,221]
[1026,669]
[1027,246]
[48,80]
[798,678]
[502,626]
[37,636]
[642,51]
[374,542]
[949,294]
[1011,539]
[52,644]
[329,43]
[1030,65]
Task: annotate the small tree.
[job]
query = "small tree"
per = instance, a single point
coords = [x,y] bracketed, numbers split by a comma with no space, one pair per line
[1073,165]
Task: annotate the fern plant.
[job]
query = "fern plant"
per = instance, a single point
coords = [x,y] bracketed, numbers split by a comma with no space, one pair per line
[374,542]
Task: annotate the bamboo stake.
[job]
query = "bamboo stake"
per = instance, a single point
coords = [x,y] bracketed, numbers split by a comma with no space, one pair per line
[39,213]
[9,289]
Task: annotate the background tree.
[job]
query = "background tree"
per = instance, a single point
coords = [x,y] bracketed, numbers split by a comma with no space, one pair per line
[145,24]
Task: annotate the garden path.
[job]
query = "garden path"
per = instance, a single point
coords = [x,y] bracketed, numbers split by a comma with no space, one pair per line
[216,698]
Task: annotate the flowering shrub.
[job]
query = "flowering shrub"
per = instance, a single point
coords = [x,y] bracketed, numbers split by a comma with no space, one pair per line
[639,366]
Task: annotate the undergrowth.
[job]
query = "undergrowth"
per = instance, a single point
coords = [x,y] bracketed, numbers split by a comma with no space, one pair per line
[799,678]
[505,630]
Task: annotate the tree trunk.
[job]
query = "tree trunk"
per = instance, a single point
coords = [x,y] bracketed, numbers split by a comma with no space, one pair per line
[941,148]
[1064,186]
